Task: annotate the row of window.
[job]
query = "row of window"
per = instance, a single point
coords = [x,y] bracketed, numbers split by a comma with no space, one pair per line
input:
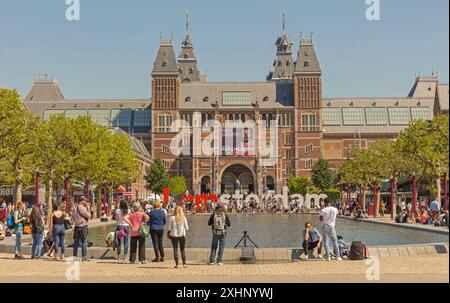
[108,117]
[288,166]
[285,119]
[335,116]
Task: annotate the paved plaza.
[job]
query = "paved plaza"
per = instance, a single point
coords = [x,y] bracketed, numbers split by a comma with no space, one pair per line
[421,269]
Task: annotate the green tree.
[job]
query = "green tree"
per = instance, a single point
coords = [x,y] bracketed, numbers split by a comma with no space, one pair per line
[299,185]
[157,177]
[178,186]
[322,176]
[18,130]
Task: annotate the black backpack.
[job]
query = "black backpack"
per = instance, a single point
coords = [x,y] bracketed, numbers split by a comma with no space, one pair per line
[357,251]
[37,226]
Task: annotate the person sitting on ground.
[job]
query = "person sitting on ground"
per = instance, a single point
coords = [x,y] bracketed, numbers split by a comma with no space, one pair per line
[344,247]
[104,217]
[311,239]
[110,240]
[441,219]
[402,217]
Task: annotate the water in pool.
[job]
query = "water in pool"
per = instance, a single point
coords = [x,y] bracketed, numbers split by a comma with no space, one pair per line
[269,231]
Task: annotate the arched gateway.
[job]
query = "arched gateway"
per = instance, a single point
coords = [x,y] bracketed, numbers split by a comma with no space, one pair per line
[234,172]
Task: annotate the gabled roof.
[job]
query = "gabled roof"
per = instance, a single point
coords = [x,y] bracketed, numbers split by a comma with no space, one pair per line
[166,62]
[45,89]
[307,62]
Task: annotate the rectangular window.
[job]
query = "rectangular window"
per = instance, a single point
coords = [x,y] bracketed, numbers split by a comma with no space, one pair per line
[376,116]
[100,116]
[166,164]
[50,112]
[309,148]
[164,123]
[353,115]
[309,122]
[288,168]
[422,113]
[331,116]
[165,149]
[75,113]
[236,99]
[121,117]
[288,154]
[308,163]
[288,139]
[399,115]
[142,117]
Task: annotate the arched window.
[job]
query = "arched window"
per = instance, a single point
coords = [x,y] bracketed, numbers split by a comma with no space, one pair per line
[243,118]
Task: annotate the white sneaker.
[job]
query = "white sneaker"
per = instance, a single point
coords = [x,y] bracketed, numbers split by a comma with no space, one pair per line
[329,259]
[320,257]
[305,257]
[220,264]
[338,259]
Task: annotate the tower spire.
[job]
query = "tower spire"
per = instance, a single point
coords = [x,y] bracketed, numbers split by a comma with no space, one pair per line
[187,21]
[284,23]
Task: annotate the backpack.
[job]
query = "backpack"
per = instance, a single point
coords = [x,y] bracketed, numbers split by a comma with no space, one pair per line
[37,227]
[144,229]
[358,251]
[219,223]
[10,221]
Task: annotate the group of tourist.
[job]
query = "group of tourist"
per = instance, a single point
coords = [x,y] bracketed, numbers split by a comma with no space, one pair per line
[433,214]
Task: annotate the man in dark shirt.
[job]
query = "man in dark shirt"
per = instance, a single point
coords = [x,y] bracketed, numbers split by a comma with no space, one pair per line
[219,221]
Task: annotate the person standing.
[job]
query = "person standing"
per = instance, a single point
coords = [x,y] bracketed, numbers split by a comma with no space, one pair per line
[178,227]
[81,216]
[122,230]
[37,232]
[328,219]
[219,221]
[19,220]
[435,208]
[58,230]
[137,217]
[157,223]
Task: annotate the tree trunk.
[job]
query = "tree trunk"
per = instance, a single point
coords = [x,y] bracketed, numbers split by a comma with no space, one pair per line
[378,200]
[438,188]
[110,201]
[19,185]
[364,200]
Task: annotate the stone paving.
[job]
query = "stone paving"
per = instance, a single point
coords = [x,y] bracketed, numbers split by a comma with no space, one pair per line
[392,269]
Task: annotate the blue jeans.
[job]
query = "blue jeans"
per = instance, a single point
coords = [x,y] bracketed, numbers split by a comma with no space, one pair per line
[59,232]
[18,233]
[125,239]
[78,241]
[217,240]
[37,245]
[329,233]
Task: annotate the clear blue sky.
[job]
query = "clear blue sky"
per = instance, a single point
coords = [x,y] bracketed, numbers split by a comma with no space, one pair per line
[110,52]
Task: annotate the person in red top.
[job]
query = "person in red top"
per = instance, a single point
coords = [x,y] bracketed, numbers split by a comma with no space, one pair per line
[136,218]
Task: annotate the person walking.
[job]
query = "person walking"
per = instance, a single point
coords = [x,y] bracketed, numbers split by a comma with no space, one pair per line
[137,218]
[80,218]
[57,228]
[328,219]
[219,221]
[157,223]
[121,215]
[178,227]
[37,232]
[19,220]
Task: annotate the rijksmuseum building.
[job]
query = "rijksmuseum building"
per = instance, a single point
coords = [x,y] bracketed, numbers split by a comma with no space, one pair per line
[309,125]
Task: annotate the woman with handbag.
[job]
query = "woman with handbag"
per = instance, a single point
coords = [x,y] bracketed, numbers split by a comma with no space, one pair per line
[37,233]
[122,229]
[178,226]
[139,231]
[58,230]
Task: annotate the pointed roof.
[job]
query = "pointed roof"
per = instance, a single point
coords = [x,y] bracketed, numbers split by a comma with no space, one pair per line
[166,62]
[187,62]
[283,64]
[45,88]
[307,62]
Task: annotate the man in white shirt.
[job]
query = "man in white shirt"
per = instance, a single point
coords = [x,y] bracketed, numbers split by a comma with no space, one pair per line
[328,219]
